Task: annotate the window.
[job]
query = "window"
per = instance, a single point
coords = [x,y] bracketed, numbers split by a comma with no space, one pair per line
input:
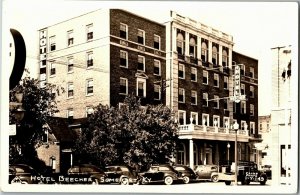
[205,99]
[180,44]
[157,92]
[181,71]
[234,107]
[70,88]
[243,107]
[70,113]
[204,52]
[242,89]
[260,126]
[192,47]
[242,70]
[141,63]
[123,58]
[194,116]
[90,62]
[156,42]
[52,69]
[251,74]
[89,32]
[70,65]
[205,77]
[252,127]
[181,95]
[226,122]
[225,82]
[141,37]
[181,117]
[156,67]
[216,101]
[205,119]
[225,104]
[244,125]
[194,97]
[123,31]
[215,55]
[251,91]
[52,43]
[268,126]
[224,58]
[70,38]
[216,121]
[89,111]
[141,87]
[216,80]
[251,110]
[89,87]
[194,74]
[123,86]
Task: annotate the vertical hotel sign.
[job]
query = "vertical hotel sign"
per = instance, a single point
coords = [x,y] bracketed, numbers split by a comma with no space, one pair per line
[43,56]
[237,83]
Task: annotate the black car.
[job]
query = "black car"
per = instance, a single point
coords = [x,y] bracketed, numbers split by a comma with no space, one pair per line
[160,173]
[84,174]
[121,174]
[187,174]
[23,174]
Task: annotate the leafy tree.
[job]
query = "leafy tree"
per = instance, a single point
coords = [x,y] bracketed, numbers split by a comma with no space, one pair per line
[39,104]
[132,134]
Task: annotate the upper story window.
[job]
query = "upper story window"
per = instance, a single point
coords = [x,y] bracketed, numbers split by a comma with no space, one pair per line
[225,82]
[205,77]
[70,65]
[242,89]
[193,47]
[194,74]
[123,31]
[194,116]
[224,58]
[215,55]
[52,69]
[123,59]
[252,91]
[141,87]
[244,125]
[216,80]
[52,43]
[90,61]
[141,37]
[157,92]
[123,86]
[181,117]
[242,66]
[226,122]
[216,121]
[194,97]
[70,88]
[251,73]
[216,101]
[251,110]
[181,95]
[243,107]
[205,99]
[89,32]
[141,63]
[157,68]
[180,44]
[252,127]
[89,87]
[70,37]
[157,42]
[70,113]
[205,119]
[225,104]
[181,71]
[204,51]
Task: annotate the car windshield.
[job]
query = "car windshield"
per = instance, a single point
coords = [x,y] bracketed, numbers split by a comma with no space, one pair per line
[180,168]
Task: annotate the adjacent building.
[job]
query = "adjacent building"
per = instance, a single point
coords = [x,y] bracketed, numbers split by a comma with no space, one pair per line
[266,134]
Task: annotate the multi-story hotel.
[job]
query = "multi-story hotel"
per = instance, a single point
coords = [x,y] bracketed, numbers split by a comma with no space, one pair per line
[102,56]
[200,62]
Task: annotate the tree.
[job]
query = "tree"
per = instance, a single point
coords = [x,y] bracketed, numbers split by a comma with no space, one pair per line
[39,104]
[131,134]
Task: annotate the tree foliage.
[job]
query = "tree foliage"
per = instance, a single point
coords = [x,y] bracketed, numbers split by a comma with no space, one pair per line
[131,134]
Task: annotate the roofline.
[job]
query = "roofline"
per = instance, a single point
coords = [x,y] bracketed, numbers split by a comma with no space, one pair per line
[245,55]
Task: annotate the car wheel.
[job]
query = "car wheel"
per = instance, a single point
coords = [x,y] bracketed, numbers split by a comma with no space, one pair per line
[186,179]
[168,180]
[227,183]
[262,181]
[215,178]
[124,181]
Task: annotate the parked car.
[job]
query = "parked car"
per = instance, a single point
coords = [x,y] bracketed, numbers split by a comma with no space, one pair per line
[187,174]
[207,172]
[23,174]
[268,170]
[121,174]
[160,173]
[84,174]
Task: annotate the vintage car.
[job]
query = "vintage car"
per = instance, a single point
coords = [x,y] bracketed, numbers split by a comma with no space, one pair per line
[268,170]
[121,174]
[23,174]
[207,172]
[187,174]
[160,173]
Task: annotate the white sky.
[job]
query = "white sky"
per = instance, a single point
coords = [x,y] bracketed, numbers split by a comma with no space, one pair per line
[255,27]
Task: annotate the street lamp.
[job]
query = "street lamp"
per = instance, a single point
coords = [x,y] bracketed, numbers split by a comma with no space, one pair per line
[235,127]
[228,147]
